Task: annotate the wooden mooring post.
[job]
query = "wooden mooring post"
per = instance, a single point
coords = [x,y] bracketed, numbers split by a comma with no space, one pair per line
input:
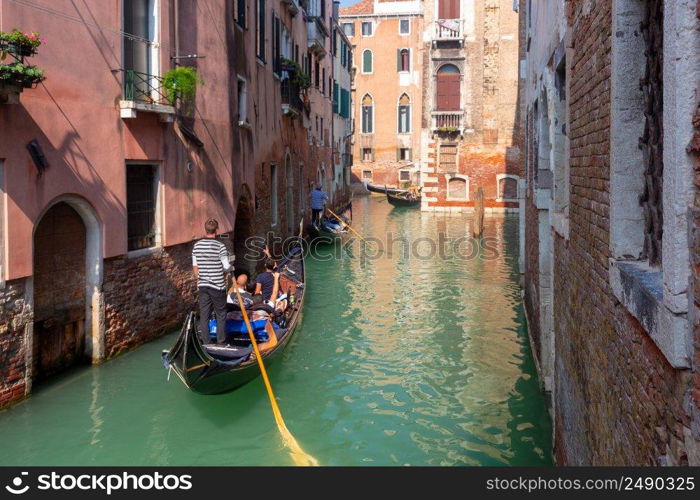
[478,225]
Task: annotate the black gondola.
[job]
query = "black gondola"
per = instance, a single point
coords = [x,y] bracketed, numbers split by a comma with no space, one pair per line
[384,189]
[330,229]
[215,369]
[403,200]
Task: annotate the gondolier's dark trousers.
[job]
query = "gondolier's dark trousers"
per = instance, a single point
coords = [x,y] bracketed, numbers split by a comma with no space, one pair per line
[211,298]
[316,215]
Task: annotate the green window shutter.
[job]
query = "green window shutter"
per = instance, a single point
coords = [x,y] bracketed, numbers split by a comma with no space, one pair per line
[367,61]
[410,154]
[398,59]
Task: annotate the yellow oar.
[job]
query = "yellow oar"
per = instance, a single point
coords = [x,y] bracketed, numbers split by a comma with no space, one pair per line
[348,225]
[299,456]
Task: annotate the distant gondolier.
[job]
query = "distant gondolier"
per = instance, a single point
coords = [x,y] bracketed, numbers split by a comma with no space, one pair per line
[210,262]
[318,204]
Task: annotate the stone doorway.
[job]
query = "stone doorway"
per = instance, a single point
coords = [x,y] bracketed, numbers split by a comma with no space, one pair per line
[60,252]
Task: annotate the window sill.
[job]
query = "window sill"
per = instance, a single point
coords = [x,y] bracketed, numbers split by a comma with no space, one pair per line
[560,224]
[143,252]
[640,289]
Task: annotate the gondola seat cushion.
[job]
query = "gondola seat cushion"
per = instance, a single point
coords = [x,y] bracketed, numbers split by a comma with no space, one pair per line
[237,328]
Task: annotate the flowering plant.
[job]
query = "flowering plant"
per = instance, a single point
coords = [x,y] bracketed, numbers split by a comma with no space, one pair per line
[27,43]
[21,75]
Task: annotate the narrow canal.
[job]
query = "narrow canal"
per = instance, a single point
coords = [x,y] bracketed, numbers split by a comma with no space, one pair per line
[417,357]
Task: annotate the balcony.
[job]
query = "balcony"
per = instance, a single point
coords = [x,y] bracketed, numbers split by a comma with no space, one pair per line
[292,102]
[449,30]
[448,121]
[292,6]
[317,34]
[144,92]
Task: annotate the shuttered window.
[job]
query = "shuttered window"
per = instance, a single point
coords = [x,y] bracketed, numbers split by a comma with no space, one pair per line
[367,61]
[403,60]
[336,98]
[448,88]
[448,9]
[345,103]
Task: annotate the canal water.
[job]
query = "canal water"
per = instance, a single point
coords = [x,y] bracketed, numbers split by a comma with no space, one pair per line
[411,353]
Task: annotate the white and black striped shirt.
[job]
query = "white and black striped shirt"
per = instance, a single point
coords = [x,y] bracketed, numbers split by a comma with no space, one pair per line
[211,257]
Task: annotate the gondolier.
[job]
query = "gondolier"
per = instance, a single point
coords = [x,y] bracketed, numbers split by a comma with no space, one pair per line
[318,204]
[210,263]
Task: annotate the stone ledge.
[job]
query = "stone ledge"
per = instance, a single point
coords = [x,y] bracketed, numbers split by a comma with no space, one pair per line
[560,224]
[640,289]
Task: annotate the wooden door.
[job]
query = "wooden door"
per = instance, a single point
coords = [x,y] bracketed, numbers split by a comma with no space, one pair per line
[448,88]
[448,9]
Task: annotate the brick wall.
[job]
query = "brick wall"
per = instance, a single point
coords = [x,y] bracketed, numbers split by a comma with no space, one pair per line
[146,296]
[617,400]
[15,313]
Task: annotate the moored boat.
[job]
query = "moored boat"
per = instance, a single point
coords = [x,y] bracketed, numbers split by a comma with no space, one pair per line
[383,189]
[404,200]
[214,368]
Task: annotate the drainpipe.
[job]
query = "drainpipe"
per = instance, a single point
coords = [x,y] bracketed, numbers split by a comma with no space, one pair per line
[177,31]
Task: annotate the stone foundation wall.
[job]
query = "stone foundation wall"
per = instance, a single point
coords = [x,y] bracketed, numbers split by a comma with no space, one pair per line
[15,315]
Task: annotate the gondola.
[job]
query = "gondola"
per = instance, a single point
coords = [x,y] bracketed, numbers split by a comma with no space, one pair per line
[331,229]
[403,200]
[215,369]
[383,189]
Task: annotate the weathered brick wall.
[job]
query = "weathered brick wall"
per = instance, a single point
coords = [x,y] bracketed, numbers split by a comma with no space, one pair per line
[531,280]
[146,296]
[617,400]
[15,313]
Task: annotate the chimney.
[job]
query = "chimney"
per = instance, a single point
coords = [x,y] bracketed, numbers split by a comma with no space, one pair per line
[336,9]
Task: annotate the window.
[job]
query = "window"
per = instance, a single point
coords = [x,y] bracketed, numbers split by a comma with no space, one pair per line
[140,22]
[343,54]
[448,9]
[317,74]
[404,26]
[367,174]
[276,44]
[260,31]
[448,88]
[403,60]
[367,114]
[242,101]
[457,188]
[336,98]
[404,154]
[141,206]
[367,61]
[404,114]
[349,58]
[273,195]
[240,13]
[367,28]
[367,154]
[507,187]
[404,175]
[349,29]
[344,103]
[448,157]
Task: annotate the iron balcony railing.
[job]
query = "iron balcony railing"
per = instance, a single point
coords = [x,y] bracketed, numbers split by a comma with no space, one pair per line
[145,88]
[449,29]
[448,121]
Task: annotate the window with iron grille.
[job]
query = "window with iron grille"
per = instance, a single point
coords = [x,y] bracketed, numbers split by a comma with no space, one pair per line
[240,13]
[141,206]
[404,175]
[260,30]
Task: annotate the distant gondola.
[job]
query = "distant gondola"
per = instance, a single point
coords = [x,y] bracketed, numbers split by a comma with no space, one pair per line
[403,200]
[215,369]
[383,189]
[330,229]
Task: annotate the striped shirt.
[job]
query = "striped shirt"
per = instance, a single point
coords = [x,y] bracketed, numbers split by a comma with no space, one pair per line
[210,256]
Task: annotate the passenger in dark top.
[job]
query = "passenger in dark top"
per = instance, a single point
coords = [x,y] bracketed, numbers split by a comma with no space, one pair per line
[265,282]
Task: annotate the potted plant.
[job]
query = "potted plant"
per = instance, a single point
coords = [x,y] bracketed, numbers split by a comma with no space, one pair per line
[451,129]
[20,75]
[19,43]
[181,83]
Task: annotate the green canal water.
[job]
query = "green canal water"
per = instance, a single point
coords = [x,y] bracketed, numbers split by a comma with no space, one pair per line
[401,358]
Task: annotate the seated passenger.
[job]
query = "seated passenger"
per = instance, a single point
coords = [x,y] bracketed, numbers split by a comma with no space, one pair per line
[241,284]
[265,281]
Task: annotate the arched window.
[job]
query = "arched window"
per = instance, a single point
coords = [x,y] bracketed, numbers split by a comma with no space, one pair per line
[367,61]
[448,86]
[457,188]
[508,188]
[367,114]
[403,60]
[404,115]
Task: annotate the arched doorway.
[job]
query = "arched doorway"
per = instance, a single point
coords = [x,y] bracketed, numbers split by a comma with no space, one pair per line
[242,231]
[448,86]
[60,300]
